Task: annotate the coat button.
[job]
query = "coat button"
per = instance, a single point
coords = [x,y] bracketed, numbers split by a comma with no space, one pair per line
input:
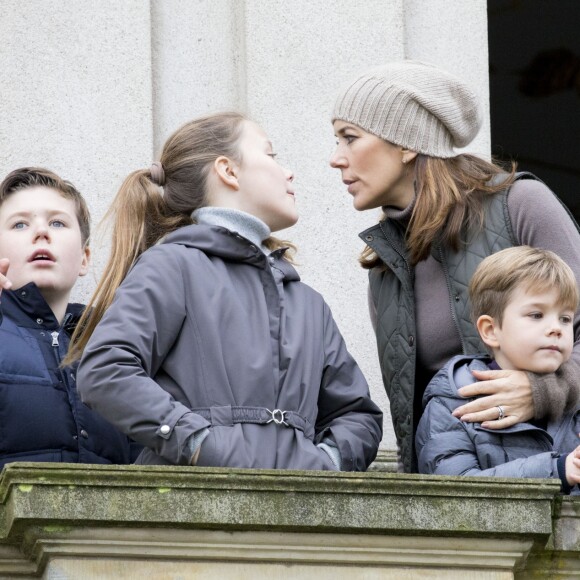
[84,434]
[457,298]
[164,429]
[411,340]
[369,238]
[39,321]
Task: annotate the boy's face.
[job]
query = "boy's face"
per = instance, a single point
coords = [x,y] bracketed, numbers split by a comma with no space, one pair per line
[536,334]
[40,234]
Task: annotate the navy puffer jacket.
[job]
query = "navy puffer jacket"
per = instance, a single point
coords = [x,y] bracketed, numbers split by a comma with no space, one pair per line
[41,415]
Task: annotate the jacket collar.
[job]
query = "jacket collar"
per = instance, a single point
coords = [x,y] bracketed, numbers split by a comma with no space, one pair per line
[455,374]
[26,305]
[289,273]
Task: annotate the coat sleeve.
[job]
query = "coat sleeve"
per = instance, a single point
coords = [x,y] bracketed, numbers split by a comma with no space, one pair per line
[541,221]
[346,414]
[127,349]
[444,447]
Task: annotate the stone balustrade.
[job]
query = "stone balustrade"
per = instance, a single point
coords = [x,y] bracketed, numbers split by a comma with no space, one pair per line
[85,521]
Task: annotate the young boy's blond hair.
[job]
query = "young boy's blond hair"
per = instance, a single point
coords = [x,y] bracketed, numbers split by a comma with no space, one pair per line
[535,270]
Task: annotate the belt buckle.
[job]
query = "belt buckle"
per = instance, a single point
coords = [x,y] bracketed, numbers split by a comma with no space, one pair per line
[278,416]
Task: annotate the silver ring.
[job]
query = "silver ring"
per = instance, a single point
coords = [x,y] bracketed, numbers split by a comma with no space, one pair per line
[501,412]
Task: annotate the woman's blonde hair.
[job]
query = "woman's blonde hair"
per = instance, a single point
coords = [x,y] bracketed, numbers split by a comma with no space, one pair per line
[449,199]
[535,270]
[141,215]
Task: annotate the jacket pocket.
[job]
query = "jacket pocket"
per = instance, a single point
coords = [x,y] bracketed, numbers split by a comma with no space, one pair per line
[304,454]
[208,455]
[524,431]
[328,463]
[148,457]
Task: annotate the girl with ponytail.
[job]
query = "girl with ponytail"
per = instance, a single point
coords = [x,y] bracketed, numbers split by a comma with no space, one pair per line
[200,342]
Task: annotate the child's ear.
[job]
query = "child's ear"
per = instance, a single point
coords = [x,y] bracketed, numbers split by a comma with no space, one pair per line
[487,327]
[227,172]
[85,261]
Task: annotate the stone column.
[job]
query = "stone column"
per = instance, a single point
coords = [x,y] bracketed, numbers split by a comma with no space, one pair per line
[198,61]
[76,94]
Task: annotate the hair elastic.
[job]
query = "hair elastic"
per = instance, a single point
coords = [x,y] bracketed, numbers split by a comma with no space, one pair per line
[157,173]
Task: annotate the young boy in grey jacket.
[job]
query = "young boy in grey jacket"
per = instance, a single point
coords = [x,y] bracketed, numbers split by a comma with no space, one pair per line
[523,304]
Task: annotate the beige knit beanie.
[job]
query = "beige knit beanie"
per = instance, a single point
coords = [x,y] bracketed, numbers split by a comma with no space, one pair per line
[413,104]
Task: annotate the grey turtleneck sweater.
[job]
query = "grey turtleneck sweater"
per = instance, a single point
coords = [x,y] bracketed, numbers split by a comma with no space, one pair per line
[245,224]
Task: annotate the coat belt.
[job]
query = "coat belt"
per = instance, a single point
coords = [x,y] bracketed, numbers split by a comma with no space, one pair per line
[229,415]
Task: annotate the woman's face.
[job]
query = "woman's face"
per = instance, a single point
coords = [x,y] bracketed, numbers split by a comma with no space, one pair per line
[372,168]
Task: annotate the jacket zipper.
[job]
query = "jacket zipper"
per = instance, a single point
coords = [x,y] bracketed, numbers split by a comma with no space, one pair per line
[56,333]
[412,402]
[393,245]
[451,306]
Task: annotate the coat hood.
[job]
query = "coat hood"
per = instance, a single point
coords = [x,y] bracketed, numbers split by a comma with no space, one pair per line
[229,245]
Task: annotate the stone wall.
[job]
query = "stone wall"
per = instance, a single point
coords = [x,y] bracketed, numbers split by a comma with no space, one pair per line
[92,89]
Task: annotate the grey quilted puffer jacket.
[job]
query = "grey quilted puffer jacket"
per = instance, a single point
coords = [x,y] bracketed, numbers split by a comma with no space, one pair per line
[447,446]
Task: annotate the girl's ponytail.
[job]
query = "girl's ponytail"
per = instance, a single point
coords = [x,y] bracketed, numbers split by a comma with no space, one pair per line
[142,216]
[140,219]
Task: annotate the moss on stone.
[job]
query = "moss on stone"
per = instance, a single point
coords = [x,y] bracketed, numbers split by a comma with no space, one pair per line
[58,498]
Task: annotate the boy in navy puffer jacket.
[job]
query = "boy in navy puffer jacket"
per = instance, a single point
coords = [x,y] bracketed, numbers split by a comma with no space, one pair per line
[44,231]
[523,304]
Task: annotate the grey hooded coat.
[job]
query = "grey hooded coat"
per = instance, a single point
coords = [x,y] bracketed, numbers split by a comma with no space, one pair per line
[447,446]
[208,332]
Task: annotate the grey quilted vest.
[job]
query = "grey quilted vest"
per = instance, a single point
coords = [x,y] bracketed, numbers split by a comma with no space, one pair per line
[392,293]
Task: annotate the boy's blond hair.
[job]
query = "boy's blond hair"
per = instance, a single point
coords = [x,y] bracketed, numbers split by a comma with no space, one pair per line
[496,278]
